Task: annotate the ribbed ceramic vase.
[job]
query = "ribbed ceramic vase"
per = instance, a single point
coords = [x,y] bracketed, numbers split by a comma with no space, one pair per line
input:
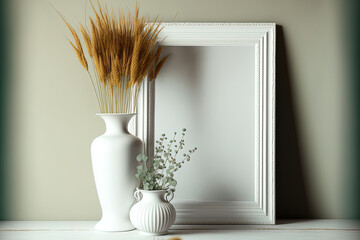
[114,165]
[153,214]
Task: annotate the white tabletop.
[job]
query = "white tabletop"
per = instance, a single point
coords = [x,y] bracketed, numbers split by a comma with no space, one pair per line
[83,230]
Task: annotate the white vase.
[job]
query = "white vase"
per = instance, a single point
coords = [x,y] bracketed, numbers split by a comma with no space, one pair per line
[153,214]
[114,165]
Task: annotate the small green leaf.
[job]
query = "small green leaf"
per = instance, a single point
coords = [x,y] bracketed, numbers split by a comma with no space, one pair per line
[173,183]
[139,157]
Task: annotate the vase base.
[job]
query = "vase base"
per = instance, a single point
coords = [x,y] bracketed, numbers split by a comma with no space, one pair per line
[105,227]
[153,233]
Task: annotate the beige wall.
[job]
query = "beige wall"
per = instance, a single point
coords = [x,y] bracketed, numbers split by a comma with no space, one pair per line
[53,105]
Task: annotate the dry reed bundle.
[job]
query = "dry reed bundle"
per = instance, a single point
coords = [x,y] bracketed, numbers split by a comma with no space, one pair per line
[122,51]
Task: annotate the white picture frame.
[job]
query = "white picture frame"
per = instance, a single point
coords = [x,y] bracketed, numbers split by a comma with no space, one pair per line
[262,37]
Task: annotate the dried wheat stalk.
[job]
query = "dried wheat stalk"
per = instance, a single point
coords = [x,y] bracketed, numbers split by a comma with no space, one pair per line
[122,51]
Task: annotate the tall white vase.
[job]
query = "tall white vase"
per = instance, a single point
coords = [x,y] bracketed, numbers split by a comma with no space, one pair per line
[114,165]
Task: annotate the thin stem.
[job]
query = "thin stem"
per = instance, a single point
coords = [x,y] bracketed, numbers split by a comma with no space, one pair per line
[166,160]
[97,96]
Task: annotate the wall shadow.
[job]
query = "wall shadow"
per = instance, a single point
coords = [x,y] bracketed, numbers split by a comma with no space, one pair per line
[291,195]
[352,35]
[4,98]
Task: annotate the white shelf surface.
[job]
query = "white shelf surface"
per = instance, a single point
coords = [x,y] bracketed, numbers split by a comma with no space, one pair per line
[83,230]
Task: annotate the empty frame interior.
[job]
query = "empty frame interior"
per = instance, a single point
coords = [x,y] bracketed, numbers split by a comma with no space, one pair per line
[210,91]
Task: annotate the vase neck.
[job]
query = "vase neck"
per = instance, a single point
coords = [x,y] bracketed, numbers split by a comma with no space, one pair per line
[150,196]
[117,123]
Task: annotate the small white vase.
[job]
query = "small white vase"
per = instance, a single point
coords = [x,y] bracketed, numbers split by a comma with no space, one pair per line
[114,165]
[153,214]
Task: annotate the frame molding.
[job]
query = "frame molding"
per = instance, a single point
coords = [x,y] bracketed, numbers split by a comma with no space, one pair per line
[262,37]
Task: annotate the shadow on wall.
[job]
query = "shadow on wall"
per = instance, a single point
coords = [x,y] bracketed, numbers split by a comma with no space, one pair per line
[352,33]
[4,83]
[291,196]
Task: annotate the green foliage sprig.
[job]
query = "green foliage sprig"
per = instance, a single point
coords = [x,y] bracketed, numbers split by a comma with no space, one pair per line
[159,175]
